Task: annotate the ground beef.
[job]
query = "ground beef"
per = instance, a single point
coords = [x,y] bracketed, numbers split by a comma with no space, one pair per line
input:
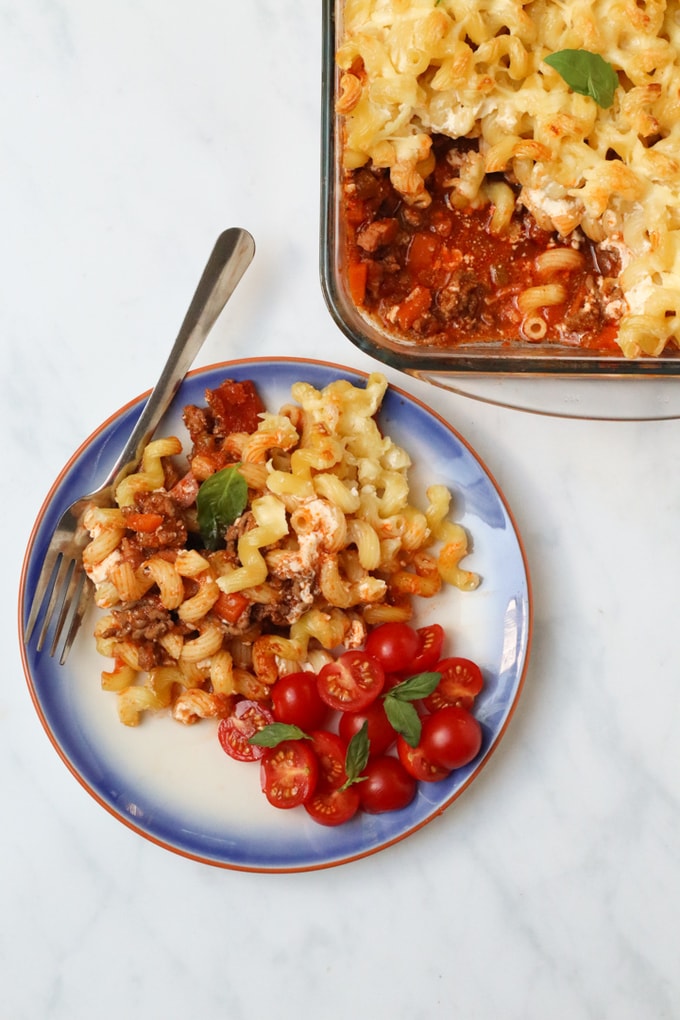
[293,598]
[463,297]
[142,623]
[375,235]
[172,533]
[145,620]
[198,421]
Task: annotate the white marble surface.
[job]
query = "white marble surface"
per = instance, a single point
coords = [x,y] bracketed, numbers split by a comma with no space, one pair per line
[131,134]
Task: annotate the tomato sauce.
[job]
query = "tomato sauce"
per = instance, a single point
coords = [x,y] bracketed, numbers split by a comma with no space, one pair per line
[232,407]
[235,406]
[438,276]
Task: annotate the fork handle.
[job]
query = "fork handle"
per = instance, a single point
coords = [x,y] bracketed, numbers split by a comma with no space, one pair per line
[231,256]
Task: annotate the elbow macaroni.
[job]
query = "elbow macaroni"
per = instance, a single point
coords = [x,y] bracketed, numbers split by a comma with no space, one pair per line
[477,70]
[331,518]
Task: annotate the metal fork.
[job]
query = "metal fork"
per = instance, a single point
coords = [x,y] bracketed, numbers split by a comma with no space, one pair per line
[64,589]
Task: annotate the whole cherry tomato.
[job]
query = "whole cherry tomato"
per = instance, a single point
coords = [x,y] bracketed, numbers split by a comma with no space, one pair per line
[381,734]
[451,737]
[387,785]
[394,645]
[296,701]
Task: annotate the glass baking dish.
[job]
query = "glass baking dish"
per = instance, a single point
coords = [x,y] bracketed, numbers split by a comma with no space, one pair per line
[551,379]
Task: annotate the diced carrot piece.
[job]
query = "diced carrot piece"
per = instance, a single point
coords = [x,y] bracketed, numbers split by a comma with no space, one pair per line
[357,273]
[143,522]
[229,606]
[423,251]
[415,305]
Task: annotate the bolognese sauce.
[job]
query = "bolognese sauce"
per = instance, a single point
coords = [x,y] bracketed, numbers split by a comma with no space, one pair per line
[439,276]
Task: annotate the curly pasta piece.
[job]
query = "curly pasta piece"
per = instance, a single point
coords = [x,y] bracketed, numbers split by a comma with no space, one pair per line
[365,537]
[151,476]
[132,701]
[194,609]
[169,582]
[121,676]
[197,704]
[267,649]
[329,627]
[275,430]
[107,528]
[425,582]
[449,559]
[222,672]
[343,593]
[270,515]
[208,642]
[129,583]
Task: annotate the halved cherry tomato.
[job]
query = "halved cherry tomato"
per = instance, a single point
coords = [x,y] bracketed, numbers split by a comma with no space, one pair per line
[394,645]
[296,700]
[289,773]
[230,605]
[235,731]
[144,522]
[417,764]
[431,640]
[352,682]
[331,751]
[387,786]
[460,684]
[381,733]
[451,737]
[330,804]
[333,806]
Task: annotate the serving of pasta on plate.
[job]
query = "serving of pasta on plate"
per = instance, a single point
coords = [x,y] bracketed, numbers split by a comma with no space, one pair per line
[279,538]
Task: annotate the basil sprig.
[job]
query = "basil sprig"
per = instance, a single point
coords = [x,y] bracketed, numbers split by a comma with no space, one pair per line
[356,758]
[587,73]
[399,707]
[221,498]
[275,733]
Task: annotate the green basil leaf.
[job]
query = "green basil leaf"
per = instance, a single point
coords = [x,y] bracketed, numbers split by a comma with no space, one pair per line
[404,719]
[220,500]
[587,73]
[275,733]
[356,758]
[415,688]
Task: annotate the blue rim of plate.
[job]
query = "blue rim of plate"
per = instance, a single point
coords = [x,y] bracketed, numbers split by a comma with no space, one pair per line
[172,784]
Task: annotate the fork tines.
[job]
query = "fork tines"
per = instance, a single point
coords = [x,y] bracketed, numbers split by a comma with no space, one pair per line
[60,594]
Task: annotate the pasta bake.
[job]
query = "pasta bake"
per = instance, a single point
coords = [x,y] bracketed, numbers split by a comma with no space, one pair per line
[512,169]
[283,536]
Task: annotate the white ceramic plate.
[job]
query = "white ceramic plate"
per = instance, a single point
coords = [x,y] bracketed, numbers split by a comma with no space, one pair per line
[173,784]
